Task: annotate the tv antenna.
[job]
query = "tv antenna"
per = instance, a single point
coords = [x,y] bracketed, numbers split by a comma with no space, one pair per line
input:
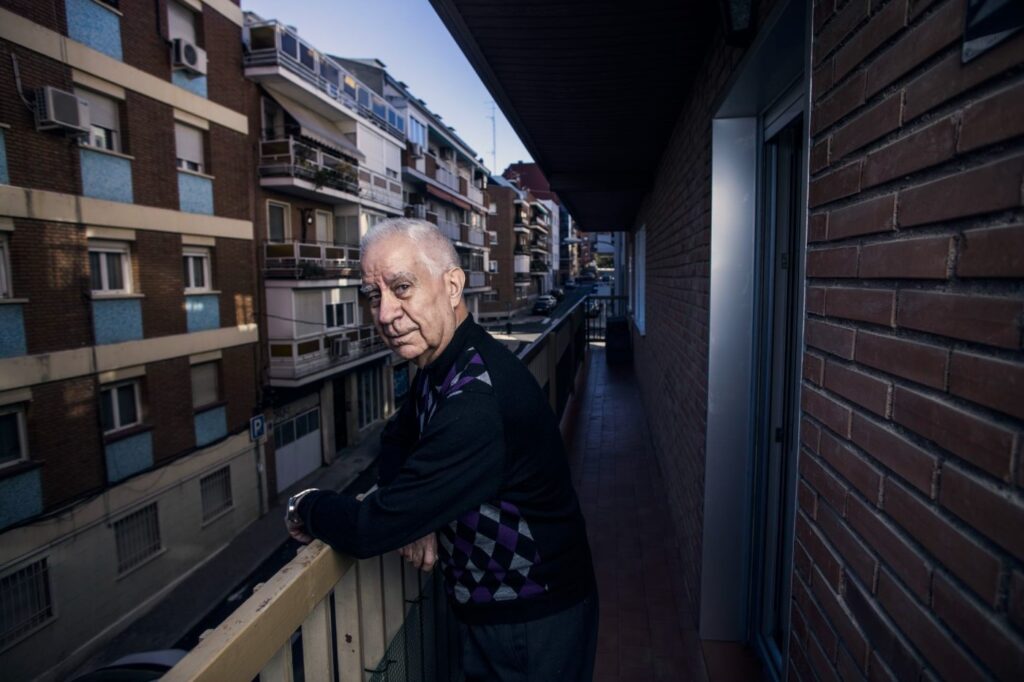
[494,138]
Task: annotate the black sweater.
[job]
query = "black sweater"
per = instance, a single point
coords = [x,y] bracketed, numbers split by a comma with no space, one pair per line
[475,454]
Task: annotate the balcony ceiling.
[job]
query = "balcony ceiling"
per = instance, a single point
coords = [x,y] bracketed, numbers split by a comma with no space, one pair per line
[592,87]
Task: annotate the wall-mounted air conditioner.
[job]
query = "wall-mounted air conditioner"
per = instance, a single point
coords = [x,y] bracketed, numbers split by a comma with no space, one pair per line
[61,109]
[188,56]
[415,150]
[339,348]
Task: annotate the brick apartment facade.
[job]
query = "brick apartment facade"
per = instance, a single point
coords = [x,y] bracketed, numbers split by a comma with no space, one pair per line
[513,288]
[113,488]
[898,486]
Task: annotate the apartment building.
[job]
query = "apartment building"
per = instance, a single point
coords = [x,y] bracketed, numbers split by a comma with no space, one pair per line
[529,176]
[329,168]
[822,218]
[127,334]
[444,182]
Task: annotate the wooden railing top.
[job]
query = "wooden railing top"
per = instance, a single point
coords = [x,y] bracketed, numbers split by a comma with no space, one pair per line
[244,643]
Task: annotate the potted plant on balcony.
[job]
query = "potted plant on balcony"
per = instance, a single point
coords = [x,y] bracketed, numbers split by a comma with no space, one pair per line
[308,270]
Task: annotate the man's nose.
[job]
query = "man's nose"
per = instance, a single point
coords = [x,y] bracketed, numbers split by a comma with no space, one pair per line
[389,309]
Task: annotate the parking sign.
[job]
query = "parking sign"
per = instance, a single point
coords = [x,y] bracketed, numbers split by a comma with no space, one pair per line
[257,428]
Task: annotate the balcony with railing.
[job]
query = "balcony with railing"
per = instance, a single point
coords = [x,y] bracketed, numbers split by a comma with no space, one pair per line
[380,188]
[294,167]
[294,362]
[476,279]
[309,260]
[449,228]
[538,266]
[471,235]
[277,55]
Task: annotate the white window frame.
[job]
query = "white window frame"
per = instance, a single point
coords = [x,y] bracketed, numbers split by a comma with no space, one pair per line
[19,412]
[217,388]
[189,256]
[183,11]
[190,164]
[124,566]
[118,426]
[6,276]
[340,305]
[209,483]
[124,250]
[111,136]
[287,210]
[48,613]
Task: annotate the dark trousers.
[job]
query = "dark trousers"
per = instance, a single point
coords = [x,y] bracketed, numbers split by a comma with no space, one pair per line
[557,648]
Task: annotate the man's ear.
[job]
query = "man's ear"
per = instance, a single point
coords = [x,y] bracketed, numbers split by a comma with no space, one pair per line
[455,282]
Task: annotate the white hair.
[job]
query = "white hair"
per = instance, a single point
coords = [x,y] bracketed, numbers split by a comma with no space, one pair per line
[437,250]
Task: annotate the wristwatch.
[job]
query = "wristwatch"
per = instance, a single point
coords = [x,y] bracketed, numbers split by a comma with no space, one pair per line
[292,514]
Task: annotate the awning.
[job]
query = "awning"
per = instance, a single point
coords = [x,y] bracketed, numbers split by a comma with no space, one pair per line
[317,128]
[449,197]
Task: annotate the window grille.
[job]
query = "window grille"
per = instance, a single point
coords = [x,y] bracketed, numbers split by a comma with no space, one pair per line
[216,492]
[25,602]
[138,538]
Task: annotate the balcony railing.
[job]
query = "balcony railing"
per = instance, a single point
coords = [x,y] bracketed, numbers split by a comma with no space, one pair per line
[447,178]
[475,194]
[295,359]
[477,279]
[449,228]
[471,235]
[310,260]
[354,620]
[380,188]
[273,44]
[538,266]
[290,157]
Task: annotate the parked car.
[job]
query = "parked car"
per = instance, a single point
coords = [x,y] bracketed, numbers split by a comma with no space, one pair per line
[559,294]
[141,667]
[544,305]
[570,284]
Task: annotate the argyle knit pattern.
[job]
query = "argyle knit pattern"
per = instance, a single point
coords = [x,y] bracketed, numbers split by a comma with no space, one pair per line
[486,553]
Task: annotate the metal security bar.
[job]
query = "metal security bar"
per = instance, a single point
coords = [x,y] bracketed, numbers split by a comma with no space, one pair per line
[138,537]
[25,602]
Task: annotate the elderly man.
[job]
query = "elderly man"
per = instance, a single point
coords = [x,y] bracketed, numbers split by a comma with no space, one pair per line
[475,459]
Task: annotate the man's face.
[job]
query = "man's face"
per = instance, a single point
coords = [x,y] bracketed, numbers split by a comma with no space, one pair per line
[414,309]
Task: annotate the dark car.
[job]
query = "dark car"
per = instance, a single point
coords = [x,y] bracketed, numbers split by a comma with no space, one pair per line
[544,305]
[559,294]
[149,665]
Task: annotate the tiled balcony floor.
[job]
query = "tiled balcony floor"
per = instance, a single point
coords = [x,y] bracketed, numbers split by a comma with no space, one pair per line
[647,629]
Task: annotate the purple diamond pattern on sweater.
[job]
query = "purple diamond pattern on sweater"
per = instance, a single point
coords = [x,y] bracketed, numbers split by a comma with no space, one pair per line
[487,553]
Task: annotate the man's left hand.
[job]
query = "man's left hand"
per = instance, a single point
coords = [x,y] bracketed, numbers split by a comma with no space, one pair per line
[422,553]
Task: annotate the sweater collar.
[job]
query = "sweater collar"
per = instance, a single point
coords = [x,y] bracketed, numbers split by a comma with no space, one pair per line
[437,370]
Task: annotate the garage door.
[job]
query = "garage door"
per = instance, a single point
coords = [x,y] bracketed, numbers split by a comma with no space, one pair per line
[297,447]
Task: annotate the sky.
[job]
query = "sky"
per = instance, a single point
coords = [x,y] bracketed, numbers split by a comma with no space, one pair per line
[410,39]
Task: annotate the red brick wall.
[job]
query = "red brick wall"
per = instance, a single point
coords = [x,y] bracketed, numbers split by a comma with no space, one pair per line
[910,549]
[50,268]
[238,384]
[501,222]
[149,137]
[162,281]
[234,278]
[671,361]
[167,407]
[42,160]
[144,37]
[234,180]
[63,433]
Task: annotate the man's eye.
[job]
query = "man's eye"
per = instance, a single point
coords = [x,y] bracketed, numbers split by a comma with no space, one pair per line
[402,288]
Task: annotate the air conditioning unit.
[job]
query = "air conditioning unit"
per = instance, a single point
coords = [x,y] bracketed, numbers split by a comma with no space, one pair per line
[188,56]
[61,109]
[418,211]
[415,150]
[339,347]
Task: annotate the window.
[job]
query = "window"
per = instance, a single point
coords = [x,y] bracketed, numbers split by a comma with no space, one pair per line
[293,429]
[492,267]
[346,230]
[639,284]
[197,270]
[277,222]
[5,268]
[205,384]
[340,314]
[189,145]
[109,267]
[104,121]
[12,435]
[137,537]
[308,312]
[181,22]
[417,132]
[323,222]
[494,237]
[215,491]
[119,406]
[26,602]
[371,395]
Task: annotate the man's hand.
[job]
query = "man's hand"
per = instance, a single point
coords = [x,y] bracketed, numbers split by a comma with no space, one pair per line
[297,531]
[422,553]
